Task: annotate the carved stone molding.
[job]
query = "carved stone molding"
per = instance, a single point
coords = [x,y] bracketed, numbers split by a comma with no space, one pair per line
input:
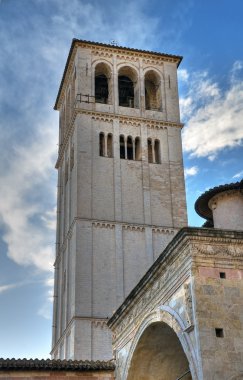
[130,122]
[188,303]
[221,251]
[102,117]
[133,228]
[153,61]
[103,225]
[102,53]
[163,230]
[99,323]
[153,126]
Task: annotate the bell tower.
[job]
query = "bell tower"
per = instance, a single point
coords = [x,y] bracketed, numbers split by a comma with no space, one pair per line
[121,196]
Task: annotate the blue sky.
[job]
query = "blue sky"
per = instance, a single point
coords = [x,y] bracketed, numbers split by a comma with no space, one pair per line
[35,37]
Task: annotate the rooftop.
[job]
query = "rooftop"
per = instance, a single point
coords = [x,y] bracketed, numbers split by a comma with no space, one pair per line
[201,205]
[49,364]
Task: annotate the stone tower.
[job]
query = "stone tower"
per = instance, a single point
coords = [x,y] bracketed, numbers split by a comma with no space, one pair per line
[121,195]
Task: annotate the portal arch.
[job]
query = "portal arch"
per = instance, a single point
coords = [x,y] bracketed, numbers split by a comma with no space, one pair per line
[160,349]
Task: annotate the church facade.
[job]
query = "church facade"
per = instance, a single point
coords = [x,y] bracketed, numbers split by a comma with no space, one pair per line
[121,195]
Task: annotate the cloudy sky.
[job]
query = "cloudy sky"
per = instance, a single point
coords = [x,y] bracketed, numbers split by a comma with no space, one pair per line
[35,37]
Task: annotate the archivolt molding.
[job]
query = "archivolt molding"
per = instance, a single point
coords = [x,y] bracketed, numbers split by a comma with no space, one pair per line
[95,62]
[155,69]
[167,315]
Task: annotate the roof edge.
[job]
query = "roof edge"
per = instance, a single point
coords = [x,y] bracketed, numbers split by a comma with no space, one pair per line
[51,364]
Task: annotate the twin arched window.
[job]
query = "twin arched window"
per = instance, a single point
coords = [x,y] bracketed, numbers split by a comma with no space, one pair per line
[106,145]
[154,151]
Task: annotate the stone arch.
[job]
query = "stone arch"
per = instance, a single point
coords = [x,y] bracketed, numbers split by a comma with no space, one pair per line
[167,317]
[128,87]
[103,82]
[152,85]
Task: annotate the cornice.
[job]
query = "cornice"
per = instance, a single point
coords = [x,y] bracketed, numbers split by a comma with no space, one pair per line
[108,117]
[112,224]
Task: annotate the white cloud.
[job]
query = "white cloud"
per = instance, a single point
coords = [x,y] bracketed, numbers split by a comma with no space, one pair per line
[183,75]
[214,117]
[238,175]
[5,288]
[27,231]
[45,310]
[189,172]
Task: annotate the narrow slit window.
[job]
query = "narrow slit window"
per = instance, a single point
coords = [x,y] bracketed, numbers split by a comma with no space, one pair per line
[72,158]
[138,155]
[219,333]
[122,147]
[129,148]
[157,151]
[66,171]
[102,144]
[109,145]
[222,274]
[150,151]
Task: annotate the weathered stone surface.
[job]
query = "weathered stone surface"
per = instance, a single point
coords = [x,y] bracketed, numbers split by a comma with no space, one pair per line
[184,291]
[115,215]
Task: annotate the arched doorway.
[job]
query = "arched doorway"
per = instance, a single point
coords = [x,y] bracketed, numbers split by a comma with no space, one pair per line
[159,355]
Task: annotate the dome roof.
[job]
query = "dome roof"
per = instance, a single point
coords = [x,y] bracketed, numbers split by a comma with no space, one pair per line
[201,204]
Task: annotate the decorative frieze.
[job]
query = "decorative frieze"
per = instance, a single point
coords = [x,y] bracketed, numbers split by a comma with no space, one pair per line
[133,227]
[218,250]
[163,230]
[99,323]
[102,117]
[103,225]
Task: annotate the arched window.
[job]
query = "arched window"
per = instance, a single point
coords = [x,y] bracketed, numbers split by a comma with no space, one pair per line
[138,154]
[129,148]
[109,145]
[122,146]
[152,91]
[102,144]
[150,151]
[128,87]
[102,84]
[157,151]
